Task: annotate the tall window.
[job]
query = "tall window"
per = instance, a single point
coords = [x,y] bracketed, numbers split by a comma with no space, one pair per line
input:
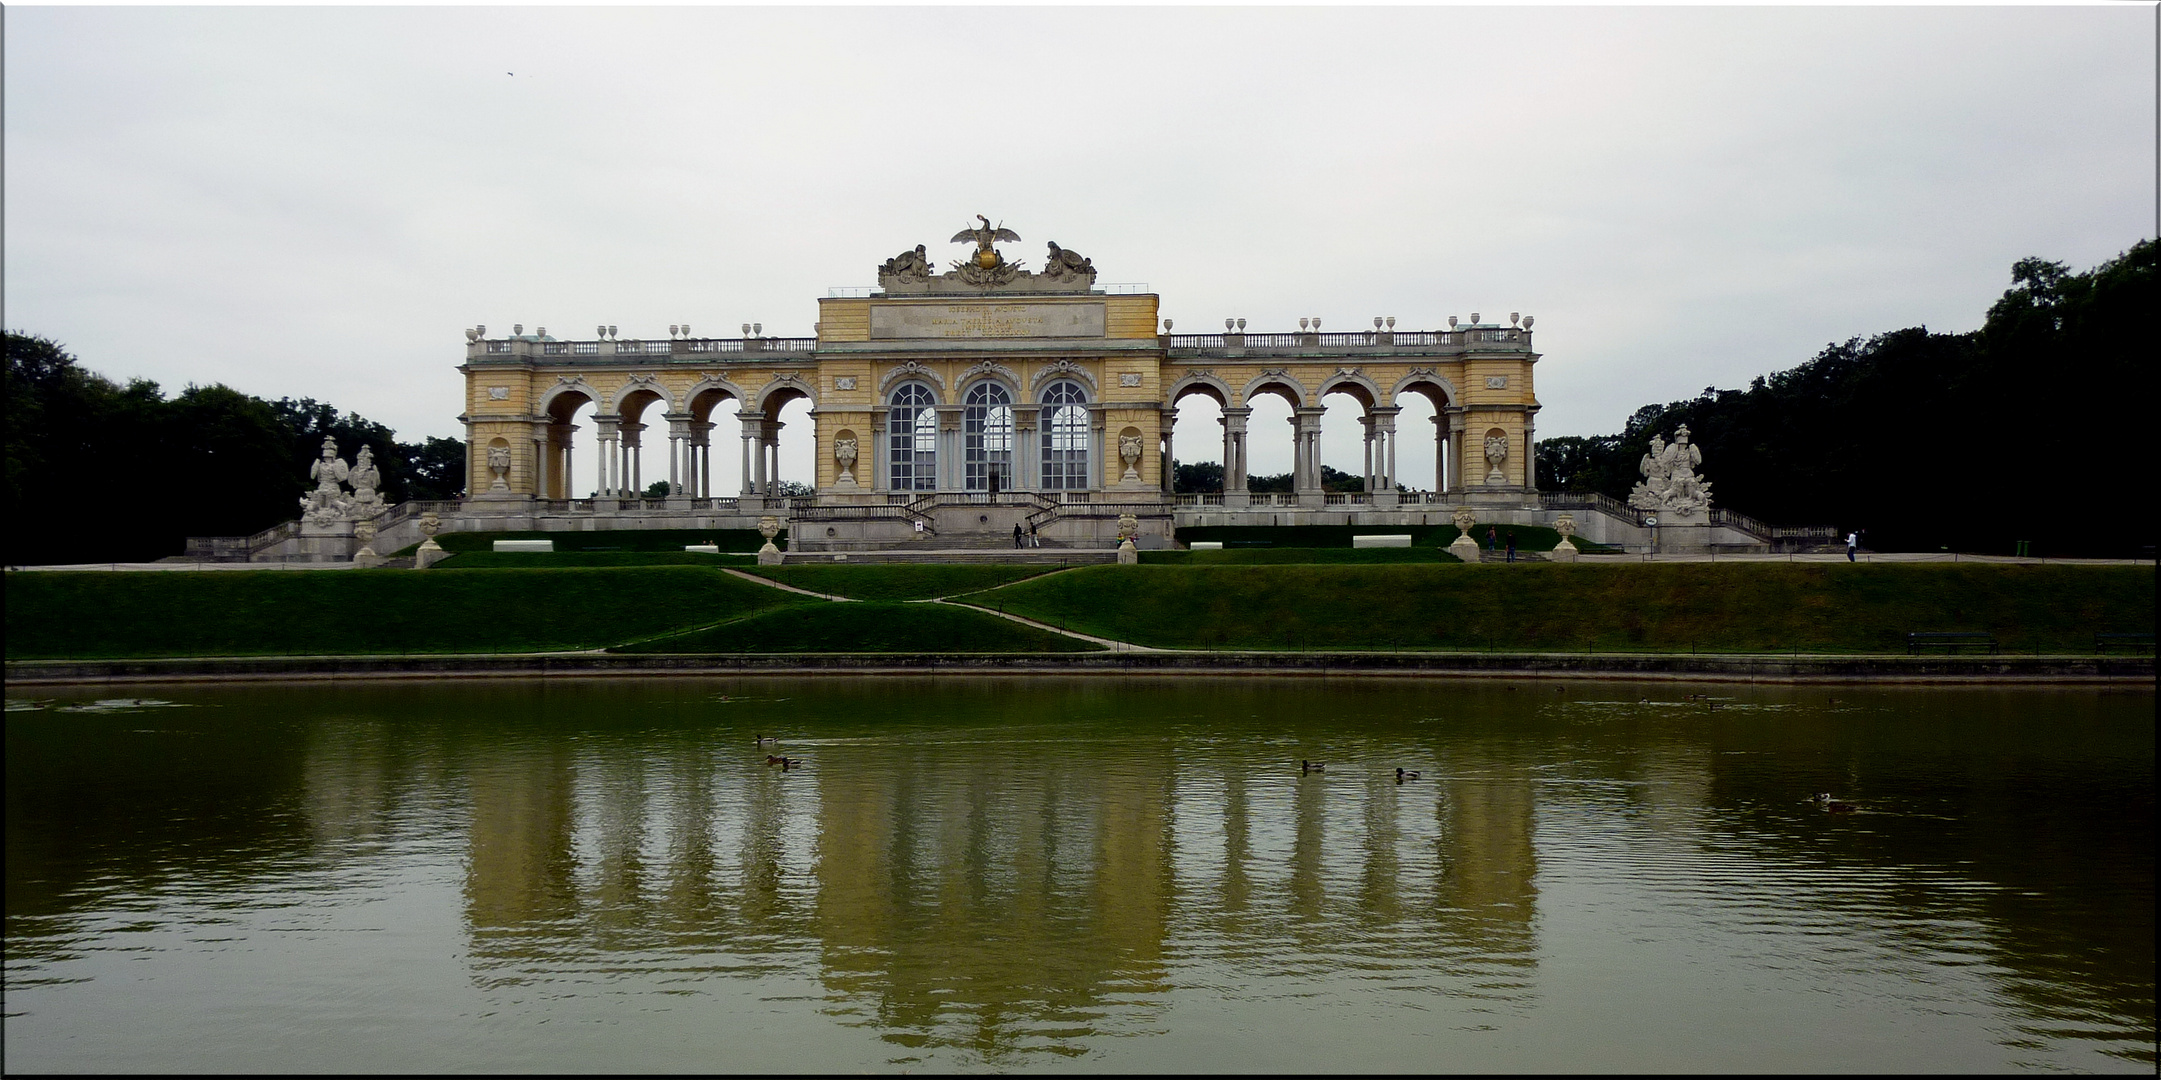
[1065,437]
[987,424]
[912,433]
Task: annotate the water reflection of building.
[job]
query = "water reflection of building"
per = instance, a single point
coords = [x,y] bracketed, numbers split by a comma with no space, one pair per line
[982,908]
[520,869]
[1008,906]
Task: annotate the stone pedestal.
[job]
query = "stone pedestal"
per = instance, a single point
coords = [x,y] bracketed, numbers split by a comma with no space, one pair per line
[428,554]
[1464,548]
[1563,552]
[1682,534]
[1127,554]
[769,555]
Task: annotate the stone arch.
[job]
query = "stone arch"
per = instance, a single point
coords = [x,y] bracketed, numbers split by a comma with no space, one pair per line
[641,384]
[911,370]
[1354,383]
[987,371]
[1062,369]
[1280,382]
[1206,384]
[707,392]
[551,399]
[783,389]
[1425,381]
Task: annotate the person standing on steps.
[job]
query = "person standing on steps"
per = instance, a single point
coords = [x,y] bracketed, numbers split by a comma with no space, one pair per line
[1853,544]
[1016,536]
[1511,545]
[1493,538]
[1035,539]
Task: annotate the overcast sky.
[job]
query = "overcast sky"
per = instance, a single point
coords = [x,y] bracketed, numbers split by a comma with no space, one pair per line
[315,202]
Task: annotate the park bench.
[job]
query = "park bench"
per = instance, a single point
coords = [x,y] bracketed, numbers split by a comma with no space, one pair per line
[1933,639]
[2134,642]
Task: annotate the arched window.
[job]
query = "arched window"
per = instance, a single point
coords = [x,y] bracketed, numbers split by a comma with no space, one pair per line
[912,430]
[987,424]
[1065,437]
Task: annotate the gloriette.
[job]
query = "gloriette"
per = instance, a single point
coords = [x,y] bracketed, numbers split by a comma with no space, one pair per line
[950,407]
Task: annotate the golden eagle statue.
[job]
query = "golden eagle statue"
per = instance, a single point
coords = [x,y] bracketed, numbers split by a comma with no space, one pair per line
[986,256]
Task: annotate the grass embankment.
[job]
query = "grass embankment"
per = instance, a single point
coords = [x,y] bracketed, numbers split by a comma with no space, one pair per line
[737,540]
[819,627]
[1275,556]
[287,612]
[1528,537]
[1675,607]
[901,581]
[534,560]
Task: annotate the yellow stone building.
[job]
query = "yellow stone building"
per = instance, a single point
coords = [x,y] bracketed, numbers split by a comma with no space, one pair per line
[965,402]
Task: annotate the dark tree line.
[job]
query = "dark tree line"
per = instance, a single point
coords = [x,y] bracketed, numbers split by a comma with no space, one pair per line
[97,471]
[1207,477]
[2030,428]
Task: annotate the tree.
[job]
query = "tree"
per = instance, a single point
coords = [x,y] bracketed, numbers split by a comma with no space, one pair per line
[1197,477]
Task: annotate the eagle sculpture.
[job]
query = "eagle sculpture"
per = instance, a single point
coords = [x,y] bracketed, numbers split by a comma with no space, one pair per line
[984,238]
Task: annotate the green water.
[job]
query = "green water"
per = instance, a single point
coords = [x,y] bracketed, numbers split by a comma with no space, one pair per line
[1078,874]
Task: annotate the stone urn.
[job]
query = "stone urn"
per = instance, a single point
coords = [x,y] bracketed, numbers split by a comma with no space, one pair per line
[1565,551]
[1464,547]
[429,552]
[1129,527]
[769,527]
[844,452]
[364,531]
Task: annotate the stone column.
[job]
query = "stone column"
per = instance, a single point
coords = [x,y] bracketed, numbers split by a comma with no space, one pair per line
[634,459]
[1098,472]
[1306,478]
[541,470]
[1530,455]
[771,469]
[1456,425]
[748,421]
[879,478]
[1027,449]
[609,431]
[678,444]
[1372,483]
[1387,420]
[1234,455]
[1169,461]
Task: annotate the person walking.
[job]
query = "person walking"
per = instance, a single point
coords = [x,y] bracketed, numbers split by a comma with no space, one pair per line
[1035,539]
[1511,545]
[1853,544]
[1493,538]
[1017,545]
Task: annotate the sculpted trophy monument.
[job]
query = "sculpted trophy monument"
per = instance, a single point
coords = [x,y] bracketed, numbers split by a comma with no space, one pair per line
[365,476]
[1672,490]
[1670,486]
[327,504]
[986,269]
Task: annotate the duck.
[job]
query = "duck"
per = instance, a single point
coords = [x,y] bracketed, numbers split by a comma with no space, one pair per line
[1831,805]
[1305,766]
[765,740]
[1401,775]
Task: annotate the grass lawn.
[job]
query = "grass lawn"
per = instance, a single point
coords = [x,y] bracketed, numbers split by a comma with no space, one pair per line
[1275,556]
[674,540]
[532,560]
[1528,537]
[1753,607]
[288,612]
[825,626]
[899,581]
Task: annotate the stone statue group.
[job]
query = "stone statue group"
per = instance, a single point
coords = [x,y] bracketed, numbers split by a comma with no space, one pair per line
[1670,482]
[329,503]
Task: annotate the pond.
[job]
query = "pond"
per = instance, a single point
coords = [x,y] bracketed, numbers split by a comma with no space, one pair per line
[1083,874]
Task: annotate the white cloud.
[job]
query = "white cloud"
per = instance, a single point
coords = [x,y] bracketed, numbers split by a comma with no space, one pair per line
[314,202]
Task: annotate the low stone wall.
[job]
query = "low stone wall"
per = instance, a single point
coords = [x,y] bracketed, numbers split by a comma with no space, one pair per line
[2130,671]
